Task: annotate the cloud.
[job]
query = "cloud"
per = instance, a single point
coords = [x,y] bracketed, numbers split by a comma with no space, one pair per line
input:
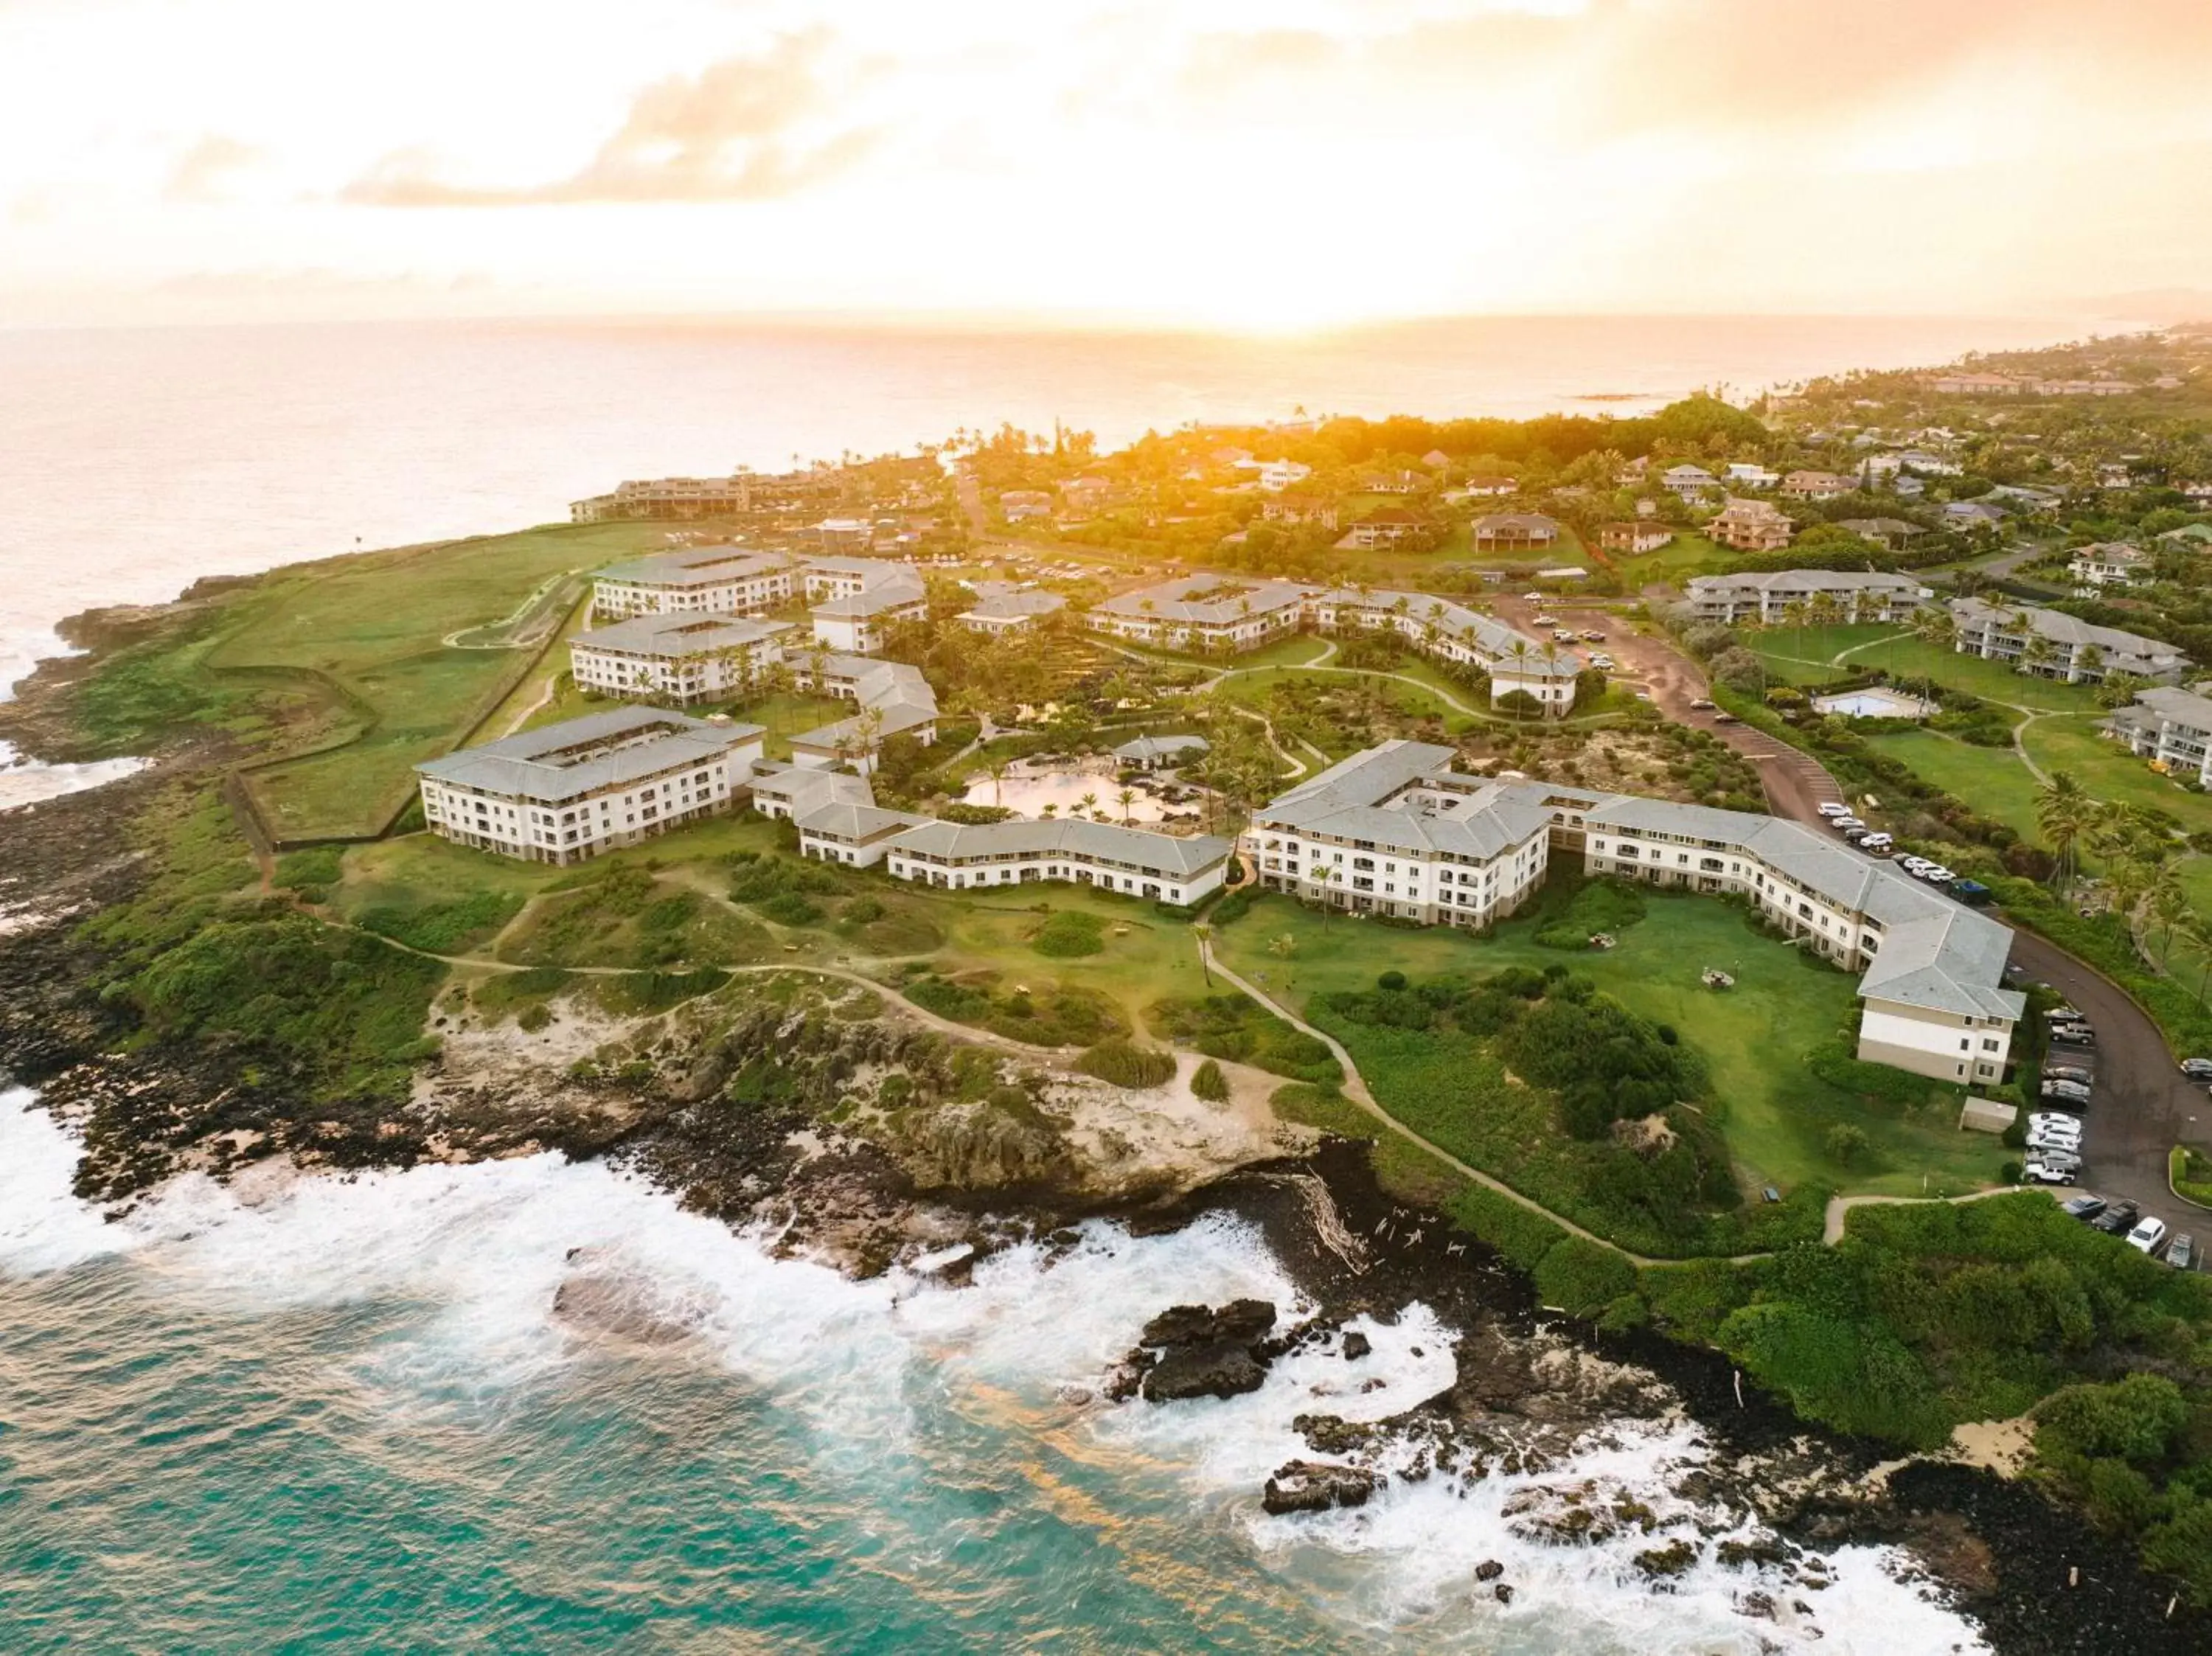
[205,172]
[727,133]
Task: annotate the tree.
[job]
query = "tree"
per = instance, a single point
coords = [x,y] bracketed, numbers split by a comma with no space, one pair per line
[1090,803]
[1283,945]
[1845,1142]
[1204,933]
[1127,796]
[2064,813]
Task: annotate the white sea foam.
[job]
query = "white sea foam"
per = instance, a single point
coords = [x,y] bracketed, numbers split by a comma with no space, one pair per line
[484,1249]
[26,781]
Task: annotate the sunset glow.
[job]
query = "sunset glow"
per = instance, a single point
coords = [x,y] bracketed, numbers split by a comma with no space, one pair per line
[1230,164]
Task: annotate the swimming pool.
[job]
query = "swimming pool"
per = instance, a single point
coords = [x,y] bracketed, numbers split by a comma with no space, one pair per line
[1874,704]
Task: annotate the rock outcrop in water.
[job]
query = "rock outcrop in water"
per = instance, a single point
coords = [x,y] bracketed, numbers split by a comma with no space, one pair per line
[1314,1486]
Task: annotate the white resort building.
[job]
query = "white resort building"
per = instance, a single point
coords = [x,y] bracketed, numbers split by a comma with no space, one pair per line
[1137,862]
[2170,727]
[2109,563]
[1000,607]
[680,658]
[699,581]
[667,497]
[1228,614]
[1395,832]
[1770,598]
[2051,644]
[568,792]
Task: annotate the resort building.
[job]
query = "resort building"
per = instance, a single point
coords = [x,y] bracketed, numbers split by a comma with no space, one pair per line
[1137,862]
[2109,563]
[1775,597]
[1152,753]
[2051,644]
[699,581]
[895,700]
[783,790]
[1515,532]
[1751,526]
[1644,535]
[859,835]
[1440,627]
[843,535]
[667,497]
[680,658]
[856,620]
[1211,613]
[1395,832]
[1001,607]
[565,792]
[2171,727]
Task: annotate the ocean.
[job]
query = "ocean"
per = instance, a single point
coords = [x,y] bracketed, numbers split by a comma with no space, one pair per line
[325,1413]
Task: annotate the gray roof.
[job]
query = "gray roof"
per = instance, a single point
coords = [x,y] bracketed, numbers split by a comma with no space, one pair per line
[851,820]
[1165,853]
[899,695]
[1161,746]
[1807,580]
[1170,600]
[696,565]
[1487,635]
[559,762]
[996,601]
[809,787]
[672,637]
[2176,706]
[897,587]
[2061,628]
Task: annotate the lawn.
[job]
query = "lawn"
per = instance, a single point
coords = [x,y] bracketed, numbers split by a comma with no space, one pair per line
[2109,771]
[1755,1038]
[354,649]
[1685,555]
[1810,655]
[1992,780]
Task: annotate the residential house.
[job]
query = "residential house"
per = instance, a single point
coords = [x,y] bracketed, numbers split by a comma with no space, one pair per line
[1388,526]
[1751,526]
[567,791]
[1644,535]
[2109,563]
[1688,481]
[1515,532]
[1816,485]
[1276,476]
[2051,644]
[1890,532]
[845,535]
[1973,514]
[1020,505]
[1488,488]
[1299,509]
[1745,474]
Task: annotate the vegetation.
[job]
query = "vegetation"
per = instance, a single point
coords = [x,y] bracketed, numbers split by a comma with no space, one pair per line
[1237,1028]
[1125,1064]
[1206,1082]
[1059,1015]
[1068,934]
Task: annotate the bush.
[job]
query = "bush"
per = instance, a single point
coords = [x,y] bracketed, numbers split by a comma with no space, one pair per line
[1235,1027]
[1391,980]
[1582,1279]
[1208,1082]
[1235,905]
[1125,1064]
[1069,933]
[445,928]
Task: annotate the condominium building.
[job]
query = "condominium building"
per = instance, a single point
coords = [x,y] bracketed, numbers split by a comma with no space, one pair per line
[1772,598]
[1137,862]
[1440,627]
[568,792]
[1215,613]
[999,608]
[895,700]
[681,657]
[1394,831]
[857,834]
[1751,526]
[2051,644]
[667,497]
[856,620]
[698,580]
[2170,727]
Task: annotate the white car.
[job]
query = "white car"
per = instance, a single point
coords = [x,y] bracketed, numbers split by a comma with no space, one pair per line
[1830,808]
[2042,1173]
[2146,1236]
[2054,1119]
[2047,1140]
[1876,842]
[1936,874]
[1914,864]
[1602,661]
[1532,597]
[2063,1161]
[1840,823]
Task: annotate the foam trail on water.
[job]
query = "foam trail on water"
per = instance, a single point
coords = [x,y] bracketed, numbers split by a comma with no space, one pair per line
[483,1249]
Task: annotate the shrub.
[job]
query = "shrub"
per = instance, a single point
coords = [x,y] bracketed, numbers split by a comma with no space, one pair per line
[445,928]
[787,908]
[1391,980]
[1125,1064]
[1845,1142]
[1208,1081]
[1582,1279]
[1069,933]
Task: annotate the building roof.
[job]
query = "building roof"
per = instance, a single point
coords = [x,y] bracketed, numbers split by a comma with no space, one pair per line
[1533,524]
[2062,628]
[1807,581]
[1165,853]
[898,588]
[1204,600]
[2176,706]
[672,637]
[1160,747]
[555,763]
[1485,636]
[694,566]
[809,787]
[995,601]
[850,819]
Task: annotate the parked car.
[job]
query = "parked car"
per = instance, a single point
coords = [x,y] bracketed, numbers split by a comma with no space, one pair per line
[2053,1119]
[1724,718]
[2073,1035]
[1563,635]
[1591,635]
[1971,891]
[1855,836]
[2146,1236]
[2068,1072]
[2181,1253]
[2118,1219]
[2077,1090]
[2084,1208]
[2039,1170]
[2058,1156]
[2062,1013]
[1602,662]
[1832,808]
[1840,823]
[2197,1069]
[1702,704]
[1936,874]
[1912,865]
[2043,1144]
[1876,841]
[1532,597]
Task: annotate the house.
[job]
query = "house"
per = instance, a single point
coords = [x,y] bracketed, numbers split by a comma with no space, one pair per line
[2109,563]
[1751,526]
[1388,526]
[565,792]
[1816,485]
[2051,644]
[1087,496]
[1515,532]
[1019,505]
[1745,474]
[1436,459]
[856,620]
[844,534]
[1688,481]
[2171,727]
[1874,466]
[1488,488]
[1890,532]
[2194,537]
[680,658]
[720,580]
[1928,466]
[1289,508]
[894,699]
[999,608]
[678,498]
[1906,486]
[1152,753]
[1224,613]
[1137,862]
[1393,483]
[1973,514]
[1645,535]
[1395,832]
[1772,598]
[1276,476]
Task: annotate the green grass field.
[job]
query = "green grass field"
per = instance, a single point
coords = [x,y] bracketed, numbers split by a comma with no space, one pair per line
[1774,1110]
[1811,654]
[2109,771]
[1991,779]
[1685,555]
[352,650]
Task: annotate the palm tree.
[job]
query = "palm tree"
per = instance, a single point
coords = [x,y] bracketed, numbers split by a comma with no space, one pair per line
[1520,652]
[2063,814]
[1283,946]
[1090,803]
[1204,935]
[2169,907]
[996,770]
[1937,630]
[1127,796]
[1325,877]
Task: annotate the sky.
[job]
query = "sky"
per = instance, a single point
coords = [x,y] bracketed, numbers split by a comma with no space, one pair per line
[1261,165]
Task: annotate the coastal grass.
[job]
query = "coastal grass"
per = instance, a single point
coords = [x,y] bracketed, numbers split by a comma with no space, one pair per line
[1757,1039]
[1992,781]
[2110,772]
[626,916]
